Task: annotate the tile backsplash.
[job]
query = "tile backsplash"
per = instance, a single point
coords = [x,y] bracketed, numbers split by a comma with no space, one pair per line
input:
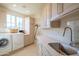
[57,34]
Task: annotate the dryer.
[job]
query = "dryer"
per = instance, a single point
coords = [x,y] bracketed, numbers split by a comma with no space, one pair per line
[5,43]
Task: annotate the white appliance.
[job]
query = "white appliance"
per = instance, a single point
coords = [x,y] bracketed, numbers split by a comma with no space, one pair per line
[5,43]
[18,40]
[75,30]
[10,41]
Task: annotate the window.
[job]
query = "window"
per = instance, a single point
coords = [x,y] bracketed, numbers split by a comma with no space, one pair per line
[17,22]
[27,25]
[11,21]
[14,22]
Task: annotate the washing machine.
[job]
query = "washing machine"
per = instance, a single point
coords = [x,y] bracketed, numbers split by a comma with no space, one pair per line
[5,43]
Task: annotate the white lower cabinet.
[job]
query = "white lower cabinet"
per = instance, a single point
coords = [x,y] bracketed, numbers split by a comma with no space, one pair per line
[45,52]
[44,49]
[18,41]
[39,48]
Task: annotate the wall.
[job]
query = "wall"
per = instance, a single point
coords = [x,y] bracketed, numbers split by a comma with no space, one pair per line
[3,12]
[28,39]
[57,33]
[2,18]
[44,17]
[72,17]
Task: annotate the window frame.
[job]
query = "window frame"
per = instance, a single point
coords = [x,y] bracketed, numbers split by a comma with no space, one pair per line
[23,23]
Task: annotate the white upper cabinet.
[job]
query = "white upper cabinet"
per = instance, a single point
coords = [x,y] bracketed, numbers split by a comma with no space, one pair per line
[46,16]
[49,14]
[68,7]
[57,9]
[54,10]
[61,9]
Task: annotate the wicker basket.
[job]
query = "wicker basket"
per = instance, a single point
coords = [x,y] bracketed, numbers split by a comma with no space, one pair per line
[14,30]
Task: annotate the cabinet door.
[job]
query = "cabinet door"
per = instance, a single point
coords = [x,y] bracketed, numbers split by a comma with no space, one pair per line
[67,7]
[49,14]
[39,47]
[54,10]
[46,15]
[18,41]
[45,52]
[59,8]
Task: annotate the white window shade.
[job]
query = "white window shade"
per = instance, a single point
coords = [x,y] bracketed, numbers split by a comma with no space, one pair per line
[8,21]
[27,25]
[19,23]
[13,23]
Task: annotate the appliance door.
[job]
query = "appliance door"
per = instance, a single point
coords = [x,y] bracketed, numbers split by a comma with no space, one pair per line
[5,43]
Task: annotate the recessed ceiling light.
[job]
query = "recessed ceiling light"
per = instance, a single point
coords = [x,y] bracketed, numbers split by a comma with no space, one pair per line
[27,11]
[14,5]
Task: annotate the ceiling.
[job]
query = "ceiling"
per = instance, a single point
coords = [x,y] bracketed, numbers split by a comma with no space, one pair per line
[32,9]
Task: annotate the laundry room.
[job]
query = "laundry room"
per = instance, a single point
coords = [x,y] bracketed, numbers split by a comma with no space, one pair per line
[16,28]
[39,29]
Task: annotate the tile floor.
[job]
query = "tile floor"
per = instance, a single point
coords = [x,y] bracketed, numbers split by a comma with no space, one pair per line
[30,50]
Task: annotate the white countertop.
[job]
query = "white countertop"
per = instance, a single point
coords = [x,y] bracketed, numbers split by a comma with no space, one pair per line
[45,40]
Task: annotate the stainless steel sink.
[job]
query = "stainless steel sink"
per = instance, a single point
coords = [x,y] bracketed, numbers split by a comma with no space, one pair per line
[76,45]
[62,49]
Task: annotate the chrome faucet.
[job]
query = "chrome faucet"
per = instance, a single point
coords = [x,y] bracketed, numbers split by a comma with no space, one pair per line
[70,31]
